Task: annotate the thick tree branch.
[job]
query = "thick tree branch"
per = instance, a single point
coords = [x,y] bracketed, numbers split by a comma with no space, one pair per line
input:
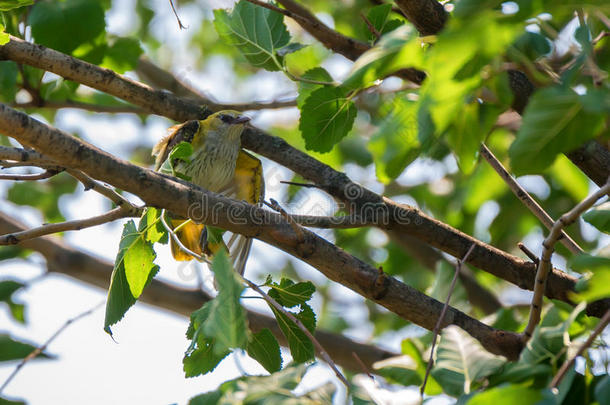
[428,16]
[64,259]
[240,217]
[402,218]
[349,47]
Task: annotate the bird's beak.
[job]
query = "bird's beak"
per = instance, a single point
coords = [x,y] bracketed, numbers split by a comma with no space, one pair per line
[242,119]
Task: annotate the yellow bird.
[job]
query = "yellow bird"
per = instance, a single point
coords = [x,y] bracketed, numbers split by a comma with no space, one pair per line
[217,163]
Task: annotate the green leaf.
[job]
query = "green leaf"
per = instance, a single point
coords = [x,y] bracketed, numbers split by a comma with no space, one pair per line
[304,59]
[602,391]
[509,394]
[301,348]
[548,341]
[399,369]
[326,117]
[4,37]
[7,289]
[570,177]
[153,228]
[289,294]
[396,50]
[133,270]
[11,349]
[394,145]
[531,45]
[257,32]
[6,5]
[66,25]
[599,217]
[305,89]
[203,359]
[264,348]
[442,282]
[461,361]
[378,17]
[454,64]
[554,122]
[226,323]
[122,55]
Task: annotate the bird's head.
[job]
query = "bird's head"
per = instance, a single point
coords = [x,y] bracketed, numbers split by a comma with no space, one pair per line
[228,123]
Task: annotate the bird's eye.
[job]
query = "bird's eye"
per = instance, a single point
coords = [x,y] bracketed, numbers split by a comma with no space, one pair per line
[226,118]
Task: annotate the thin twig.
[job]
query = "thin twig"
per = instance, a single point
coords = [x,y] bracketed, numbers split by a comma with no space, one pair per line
[302,327]
[82,106]
[295,226]
[179,243]
[29,177]
[182,26]
[95,185]
[305,185]
[566,366]
[528,253]
[42,348]
[370,26]
[47,229]
[439,322]
[544,266]
[527,199]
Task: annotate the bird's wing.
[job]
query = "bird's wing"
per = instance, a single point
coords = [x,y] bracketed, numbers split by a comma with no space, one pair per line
[248,185]
[184,132]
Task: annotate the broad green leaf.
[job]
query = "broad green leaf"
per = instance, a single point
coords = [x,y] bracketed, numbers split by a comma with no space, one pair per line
[378,17]
[12,349]
[4,37]
[6,5]
[530,45]
[508,394]
[409,348]
[277,388]
[468,131]
[554,121]
[585,262]
[455,62]
[257,32]
[7,289]
[133,270]
[153,228]
[395,145]
[548,341]
[226,323]
[399,369]
[304,59]
[602,391]
[202,359]
[570,177]
[326,117]
[398,49]
[8,80]
[66,25]
[301,348]
[122,55]
[599,217]
[264,348]
[461,361]
[484,185]
[289,294]
[305,89]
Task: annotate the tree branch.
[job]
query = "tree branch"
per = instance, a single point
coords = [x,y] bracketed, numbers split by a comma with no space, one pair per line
[548,246]
[48,229]
[527,199]
[349,47]
[64,259]
[240,217]
[428,16]
[402,218]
